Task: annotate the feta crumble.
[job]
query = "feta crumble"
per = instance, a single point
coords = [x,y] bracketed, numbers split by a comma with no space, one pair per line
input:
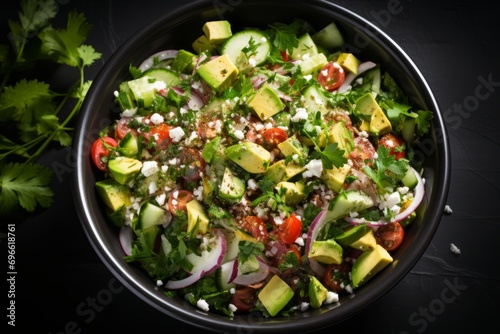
[202,305]
[314,168]
[176,134]
[454,249]
[447,210]
[149,168]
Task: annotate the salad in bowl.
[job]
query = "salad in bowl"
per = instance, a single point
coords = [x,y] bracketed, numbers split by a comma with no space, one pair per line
[261,170]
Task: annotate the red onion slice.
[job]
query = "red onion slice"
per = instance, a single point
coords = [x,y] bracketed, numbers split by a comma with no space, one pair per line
[349,78]
[162,55]
[253,277]
[203,265]
[126,236]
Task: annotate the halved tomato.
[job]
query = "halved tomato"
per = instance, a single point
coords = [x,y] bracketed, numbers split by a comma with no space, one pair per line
[100,151]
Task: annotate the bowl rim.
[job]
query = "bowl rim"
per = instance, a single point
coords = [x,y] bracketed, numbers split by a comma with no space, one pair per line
[200,319]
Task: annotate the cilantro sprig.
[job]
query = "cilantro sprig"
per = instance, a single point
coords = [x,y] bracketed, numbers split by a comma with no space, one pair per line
[32,114]
[387,171]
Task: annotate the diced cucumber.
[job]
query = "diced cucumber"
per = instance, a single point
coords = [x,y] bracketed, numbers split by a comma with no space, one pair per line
[223,274]
[372,80]
[346,202]
[247,48]
[410,180]
[408,131]
[150,215]
[162,74]
[306,47]
[329,37]
[231,186]
[315,100]
[129,146]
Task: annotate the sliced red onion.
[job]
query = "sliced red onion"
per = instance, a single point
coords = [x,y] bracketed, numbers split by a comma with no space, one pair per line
[194,102]
[349,78]
[253,277]
[126,236]
[203,265]
[316,225]
[162,55]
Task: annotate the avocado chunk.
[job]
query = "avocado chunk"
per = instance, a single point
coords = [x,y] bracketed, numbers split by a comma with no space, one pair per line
[218,73]
[281,171]
[217,31]
[197,218]
[275,295]
[202,44]
[184,61]
[266,102]
[366,106]
[113,194]
[326,251]
[334,178]
[124,169]
[379,123]
[250,156]
[368,264]
[292,146]
[349,62]
[317,292]
[359,237]
[293,192]
[339,134]
[231,186]
[305,48]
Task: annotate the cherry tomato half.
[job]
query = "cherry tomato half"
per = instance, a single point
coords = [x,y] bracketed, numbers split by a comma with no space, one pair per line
[100,151]
[256,227]
[274,136]
[161,133]
[336,276]
[178,199]
[122,128]
[331,76]
[390,236]
[244,298]
[395,144]
[284,55]
[290,229]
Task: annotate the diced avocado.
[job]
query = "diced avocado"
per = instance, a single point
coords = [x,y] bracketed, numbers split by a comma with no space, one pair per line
[326,251]
[306,48]
[329,37]
[150,215]
[349,62]
[219,72]
[266,102]
[217,31]
[202,44]
[292,146]
[368,264]
[231,186]
[242,236]
[275,295]
[359,237]
[379,123]
[250,156]
[346,202]
[365,125]
[197,218]
[334,178]
[280,171]
[339,134]
[366,106]
[113,194]
[293,192]
[317,292]
[124,169]
[313,64]
[184,61]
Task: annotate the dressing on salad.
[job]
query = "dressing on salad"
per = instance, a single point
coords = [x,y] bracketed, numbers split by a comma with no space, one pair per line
[262,170]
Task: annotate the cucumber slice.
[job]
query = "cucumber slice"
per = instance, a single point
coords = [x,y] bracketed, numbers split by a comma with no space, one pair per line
[150,215]
[162,74]
[129,146]
[231,186]
[349,201]
[223,274]
[410,180]
[315,100]
[256,51]
[329,37]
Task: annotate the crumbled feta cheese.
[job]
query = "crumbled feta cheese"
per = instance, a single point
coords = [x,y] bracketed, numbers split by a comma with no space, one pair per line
[252,62]
[331,297]
[299,241]
[159,85]
[403,190]
[348,288]
[128,112]
[159,283]
[203,305]
[160,199]
[176,134]
[183,111]
[198,193]
[232,291]
[278,220]
[304,306]
[390,200]
[447,209]
[454,248]
[149,168]
[308,77]
[233,308]
[314,168]
[252,185]
[301,114]
[157,118]
[152,187]
[239,134]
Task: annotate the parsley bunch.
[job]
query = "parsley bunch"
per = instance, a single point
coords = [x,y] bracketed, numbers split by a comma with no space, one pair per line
[32,115]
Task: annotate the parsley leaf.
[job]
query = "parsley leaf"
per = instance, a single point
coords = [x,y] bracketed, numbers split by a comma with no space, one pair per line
[285,36]
[388,171]
[26,185]
[333,156]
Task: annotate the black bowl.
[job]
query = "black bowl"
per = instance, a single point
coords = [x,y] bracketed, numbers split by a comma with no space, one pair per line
[176,30]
